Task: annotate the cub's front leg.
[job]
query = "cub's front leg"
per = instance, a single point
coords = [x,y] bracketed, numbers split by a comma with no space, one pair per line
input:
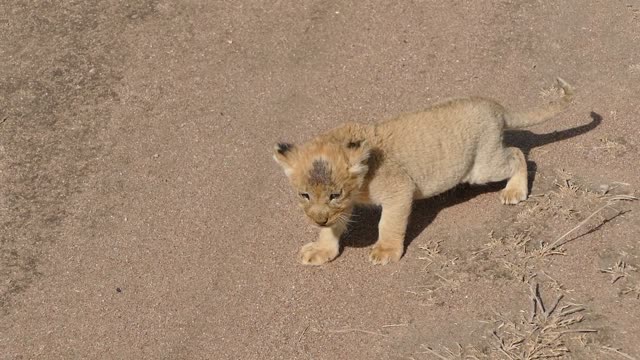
[396,202]
[391,229]
[324,249]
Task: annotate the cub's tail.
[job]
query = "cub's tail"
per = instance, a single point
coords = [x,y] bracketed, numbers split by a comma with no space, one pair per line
[523,119]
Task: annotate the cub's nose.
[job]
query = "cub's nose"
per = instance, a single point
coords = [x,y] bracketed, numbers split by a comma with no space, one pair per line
[322,222]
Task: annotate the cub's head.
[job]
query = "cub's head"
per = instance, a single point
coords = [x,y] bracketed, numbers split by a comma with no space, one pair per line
[326,176]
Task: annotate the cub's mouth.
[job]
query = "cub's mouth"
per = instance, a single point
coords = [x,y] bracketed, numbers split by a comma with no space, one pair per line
[328,223]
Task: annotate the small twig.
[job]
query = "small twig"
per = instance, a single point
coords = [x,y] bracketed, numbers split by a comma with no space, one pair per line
[473,254]
[553,307]
[619,183]
[501,343]
[444,279]
[395,325]
[627,356]
[617,272]
[534,302]
[555,282]
[538,299]
[573,331]
[3,120]
[357,330]
[303,332]
[557,243]
[570,311]
[432,352]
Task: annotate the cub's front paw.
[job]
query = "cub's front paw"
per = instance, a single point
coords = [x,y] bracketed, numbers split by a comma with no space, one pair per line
[383,254]
[512,196]
[316,254]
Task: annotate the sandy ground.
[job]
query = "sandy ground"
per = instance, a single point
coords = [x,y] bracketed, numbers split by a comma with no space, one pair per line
[143,217]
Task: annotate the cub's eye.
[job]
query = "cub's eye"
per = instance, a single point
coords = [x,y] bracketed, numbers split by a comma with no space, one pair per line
[334,196]
[305,195]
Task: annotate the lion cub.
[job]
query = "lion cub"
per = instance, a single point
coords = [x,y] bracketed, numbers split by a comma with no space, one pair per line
[412,156]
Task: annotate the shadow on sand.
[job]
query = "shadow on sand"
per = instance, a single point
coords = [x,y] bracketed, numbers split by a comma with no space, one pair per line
[364,231]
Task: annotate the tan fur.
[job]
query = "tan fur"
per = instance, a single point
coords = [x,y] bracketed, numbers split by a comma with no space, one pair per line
[413,156]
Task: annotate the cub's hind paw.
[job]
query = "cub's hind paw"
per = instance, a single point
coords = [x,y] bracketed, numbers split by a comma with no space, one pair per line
[382,255]
[316,254]
[512,196]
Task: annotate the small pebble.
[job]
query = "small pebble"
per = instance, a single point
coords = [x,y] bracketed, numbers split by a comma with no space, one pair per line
[118,290]
[604,188]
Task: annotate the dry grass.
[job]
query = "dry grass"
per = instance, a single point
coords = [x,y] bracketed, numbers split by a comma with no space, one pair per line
[569,200]
[618,271]
[430,250]
[438,283]
[555,284]
[469,353]
[369,332]
[610,144]
[635,68]
[510,242]
[550,330]
[607,146]
[542,335]
[436,271]
[624,274]
[516,249]
[551,92]
[350,330]
[633,290]
[554,247]
[609,349]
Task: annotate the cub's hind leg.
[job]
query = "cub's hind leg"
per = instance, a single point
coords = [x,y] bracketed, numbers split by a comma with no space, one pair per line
[517,185]
[499,164]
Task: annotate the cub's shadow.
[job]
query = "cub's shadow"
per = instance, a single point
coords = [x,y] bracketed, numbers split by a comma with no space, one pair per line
[363,231]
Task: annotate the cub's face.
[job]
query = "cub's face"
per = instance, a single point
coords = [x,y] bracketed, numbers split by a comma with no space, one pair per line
[325,176]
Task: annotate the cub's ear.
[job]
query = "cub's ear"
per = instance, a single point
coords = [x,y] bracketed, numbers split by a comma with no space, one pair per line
[284,154]
[358,152]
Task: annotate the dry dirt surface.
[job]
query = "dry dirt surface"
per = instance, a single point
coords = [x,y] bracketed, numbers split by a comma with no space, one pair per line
[142,216]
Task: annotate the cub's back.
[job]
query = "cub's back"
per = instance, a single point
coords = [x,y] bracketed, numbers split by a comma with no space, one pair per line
[437,146]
